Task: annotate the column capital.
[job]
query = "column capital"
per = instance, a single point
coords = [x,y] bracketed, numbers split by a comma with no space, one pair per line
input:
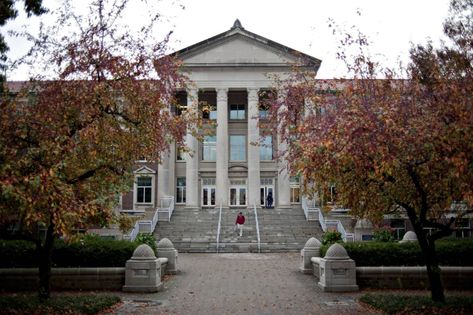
[252,94]
[222,94]
[192,91]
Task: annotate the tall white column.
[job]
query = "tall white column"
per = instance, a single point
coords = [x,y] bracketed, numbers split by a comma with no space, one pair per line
[172,171]
[253,150]
[192,158]
[222,148]
[163,178]
[284,188]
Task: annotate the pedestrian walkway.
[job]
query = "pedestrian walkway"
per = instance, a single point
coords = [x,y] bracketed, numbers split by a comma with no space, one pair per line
[240,284]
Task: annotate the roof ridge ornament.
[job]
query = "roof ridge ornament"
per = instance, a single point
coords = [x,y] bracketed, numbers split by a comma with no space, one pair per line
[237,24]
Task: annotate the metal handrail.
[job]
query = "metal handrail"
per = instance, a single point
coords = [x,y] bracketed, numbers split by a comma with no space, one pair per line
[257,228]
[219,226]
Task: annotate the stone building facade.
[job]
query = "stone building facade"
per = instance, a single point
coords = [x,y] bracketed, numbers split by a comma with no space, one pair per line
[229,74]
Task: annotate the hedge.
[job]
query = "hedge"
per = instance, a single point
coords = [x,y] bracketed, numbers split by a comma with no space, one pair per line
[86,252]
[450,252]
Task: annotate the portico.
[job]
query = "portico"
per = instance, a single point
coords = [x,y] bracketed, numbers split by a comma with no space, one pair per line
[234,166]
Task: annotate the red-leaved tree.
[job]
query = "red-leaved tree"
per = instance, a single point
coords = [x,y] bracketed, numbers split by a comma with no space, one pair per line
[391,143]
[67,144]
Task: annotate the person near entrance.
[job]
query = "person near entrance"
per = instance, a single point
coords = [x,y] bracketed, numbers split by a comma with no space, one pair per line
[269,200]
[240,221]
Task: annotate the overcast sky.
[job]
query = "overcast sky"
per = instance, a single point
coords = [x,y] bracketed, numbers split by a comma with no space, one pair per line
[300,24]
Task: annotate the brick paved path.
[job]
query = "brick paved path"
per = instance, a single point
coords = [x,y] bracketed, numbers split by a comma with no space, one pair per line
[240,284]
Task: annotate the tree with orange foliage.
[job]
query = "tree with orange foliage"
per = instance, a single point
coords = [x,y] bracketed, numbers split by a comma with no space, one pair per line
[67,144]
[391,144]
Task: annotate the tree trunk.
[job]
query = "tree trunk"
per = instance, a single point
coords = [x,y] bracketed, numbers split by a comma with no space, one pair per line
[45,252]
[433,271]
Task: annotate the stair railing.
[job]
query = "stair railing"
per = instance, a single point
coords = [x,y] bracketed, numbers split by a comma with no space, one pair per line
[219,226]
[309,208]
[167,207]
[257,228]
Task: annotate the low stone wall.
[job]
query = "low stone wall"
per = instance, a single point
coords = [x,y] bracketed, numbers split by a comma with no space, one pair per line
[26,279]
[459,278]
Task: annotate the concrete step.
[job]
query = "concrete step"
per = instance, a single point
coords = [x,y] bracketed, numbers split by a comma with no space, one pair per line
[196,230]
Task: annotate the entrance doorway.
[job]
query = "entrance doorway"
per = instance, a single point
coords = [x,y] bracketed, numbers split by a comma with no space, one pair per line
[266,188]
[208,192]
[237,192]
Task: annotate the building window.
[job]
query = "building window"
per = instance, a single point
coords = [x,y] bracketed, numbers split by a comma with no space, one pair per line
[263,111]
[237,111]
[266,149]
[181,190]
[462,227]
[399,228]
[179,154]
[209,111]
[237,148]
[209,148]
[294,183]
[333,194]
[144,189]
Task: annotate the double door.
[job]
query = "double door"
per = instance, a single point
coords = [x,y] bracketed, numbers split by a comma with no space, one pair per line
[267,190]
[238,196]
[208,192]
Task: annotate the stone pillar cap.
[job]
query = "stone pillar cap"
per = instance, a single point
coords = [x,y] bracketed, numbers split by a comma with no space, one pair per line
[336,252]
[165,243]
[313,242]
[410,236]
[143,252]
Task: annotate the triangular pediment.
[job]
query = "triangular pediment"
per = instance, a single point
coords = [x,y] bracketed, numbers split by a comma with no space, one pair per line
[145,170]
[239,47]
[238,50]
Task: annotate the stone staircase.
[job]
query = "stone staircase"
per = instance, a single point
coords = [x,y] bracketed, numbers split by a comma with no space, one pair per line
[280,230]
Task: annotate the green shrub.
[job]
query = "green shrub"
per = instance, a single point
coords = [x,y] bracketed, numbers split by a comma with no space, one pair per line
[92,251]
[449,252]
[383,234]
[18,254]
[85,251]
[331,237]
[148,239]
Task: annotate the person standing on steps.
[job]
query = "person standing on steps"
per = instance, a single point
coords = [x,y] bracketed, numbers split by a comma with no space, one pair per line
[269,200]
[240,221]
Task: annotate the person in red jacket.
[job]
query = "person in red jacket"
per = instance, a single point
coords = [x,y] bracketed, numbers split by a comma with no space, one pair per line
[240,221]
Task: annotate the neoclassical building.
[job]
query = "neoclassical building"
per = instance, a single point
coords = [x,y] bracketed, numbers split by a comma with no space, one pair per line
[229,73]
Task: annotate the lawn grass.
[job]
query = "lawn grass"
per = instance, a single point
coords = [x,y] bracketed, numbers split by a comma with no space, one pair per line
[66,304]
[413,304]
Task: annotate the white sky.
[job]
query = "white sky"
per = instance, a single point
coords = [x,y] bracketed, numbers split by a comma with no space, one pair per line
[300,24]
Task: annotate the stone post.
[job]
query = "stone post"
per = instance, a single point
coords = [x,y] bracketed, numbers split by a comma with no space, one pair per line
[363,230]
[166,250]
[337,271]
[143,271]
[254,181]
[311,249]
[192,158]
[409,237]
[222,149]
